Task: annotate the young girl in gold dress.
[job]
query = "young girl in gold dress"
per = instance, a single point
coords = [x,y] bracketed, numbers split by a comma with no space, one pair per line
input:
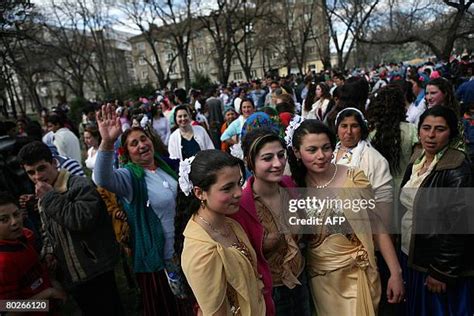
[217,258]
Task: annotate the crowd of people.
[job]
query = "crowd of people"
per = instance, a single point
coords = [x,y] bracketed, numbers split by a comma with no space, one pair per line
[192,190]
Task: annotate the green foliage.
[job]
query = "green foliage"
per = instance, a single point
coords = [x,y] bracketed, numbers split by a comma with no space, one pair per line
[137,91]
[133,93]
[201,81]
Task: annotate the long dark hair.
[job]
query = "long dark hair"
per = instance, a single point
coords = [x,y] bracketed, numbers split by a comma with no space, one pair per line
[325,90]
[354,92]
[298,169]
[203,174]
[386,111]
[310,97]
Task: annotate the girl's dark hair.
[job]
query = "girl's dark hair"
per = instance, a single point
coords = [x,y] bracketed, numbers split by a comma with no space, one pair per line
[56,119]
[287,103]
[407,89]
[354,92]
[149,132]
[269,111]
[34,130]
[447,89]
[254,140]
[94,133]
[310,97]
[180,94]
[284,107]
[326,94]
[418,79]
[386,111]
[246,100]
[298,169]
[349,113]
[154,110]
[204,171]
[180,107]
[446,113]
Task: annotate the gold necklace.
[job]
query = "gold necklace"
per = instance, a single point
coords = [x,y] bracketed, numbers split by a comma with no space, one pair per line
[330,180]
[217,231]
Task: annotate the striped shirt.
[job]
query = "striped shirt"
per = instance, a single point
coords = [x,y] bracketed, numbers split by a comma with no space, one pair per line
[69,164]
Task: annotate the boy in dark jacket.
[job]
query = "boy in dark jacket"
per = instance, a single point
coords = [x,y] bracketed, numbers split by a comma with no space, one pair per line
[78,235]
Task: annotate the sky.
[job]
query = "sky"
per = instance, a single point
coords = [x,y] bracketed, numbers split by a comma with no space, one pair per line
[124,24]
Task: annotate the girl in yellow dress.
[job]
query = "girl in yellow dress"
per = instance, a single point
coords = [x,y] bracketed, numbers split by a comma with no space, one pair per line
[340,259]
[217,258]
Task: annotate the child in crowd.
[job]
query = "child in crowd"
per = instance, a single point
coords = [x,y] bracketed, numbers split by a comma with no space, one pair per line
[217,257]
[22,276]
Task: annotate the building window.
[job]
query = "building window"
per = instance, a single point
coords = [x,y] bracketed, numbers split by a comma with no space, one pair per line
[173,69]
[200,66]
[144,74]
[253,73]
[153,60]
[200,50]
[238,75]
[235,61]
[311,49]
[140,47]
[169,56]
[141,60]
[274,55]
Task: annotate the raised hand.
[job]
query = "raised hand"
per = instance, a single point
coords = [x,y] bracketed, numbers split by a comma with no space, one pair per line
[41,188]
[109,126]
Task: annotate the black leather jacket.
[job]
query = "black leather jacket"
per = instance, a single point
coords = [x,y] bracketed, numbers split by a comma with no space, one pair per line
[440,241]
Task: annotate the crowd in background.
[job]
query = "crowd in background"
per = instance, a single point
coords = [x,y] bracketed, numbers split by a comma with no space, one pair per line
[148,182]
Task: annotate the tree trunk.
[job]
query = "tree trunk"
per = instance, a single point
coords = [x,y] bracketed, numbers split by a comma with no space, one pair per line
[4,105]
[340,60]
[187,76]
[11,97]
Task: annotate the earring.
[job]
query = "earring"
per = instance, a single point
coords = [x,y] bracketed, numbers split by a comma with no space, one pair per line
[203,203]
[332,156]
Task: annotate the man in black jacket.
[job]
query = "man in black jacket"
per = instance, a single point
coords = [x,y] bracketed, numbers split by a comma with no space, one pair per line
[77,232]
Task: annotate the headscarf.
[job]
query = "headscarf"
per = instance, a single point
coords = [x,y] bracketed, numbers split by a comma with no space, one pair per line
[260,119]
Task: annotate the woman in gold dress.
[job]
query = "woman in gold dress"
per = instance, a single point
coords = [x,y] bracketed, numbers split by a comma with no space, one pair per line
[217,258]
[341,263]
